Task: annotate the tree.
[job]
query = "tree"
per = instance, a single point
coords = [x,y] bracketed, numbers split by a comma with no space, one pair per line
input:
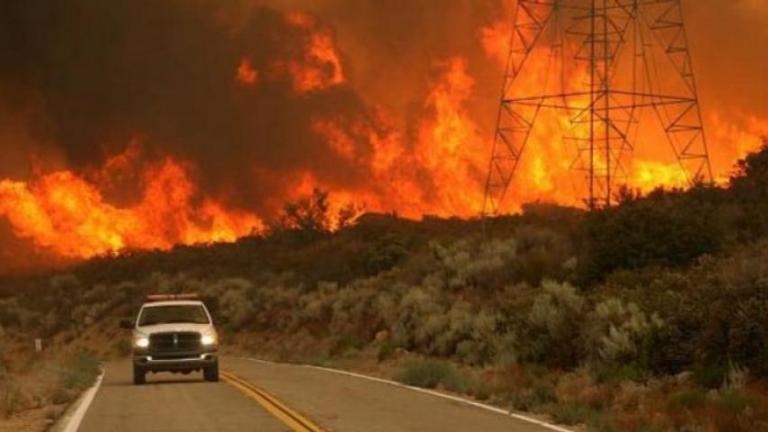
[310,214]
[313,215]
[750,192]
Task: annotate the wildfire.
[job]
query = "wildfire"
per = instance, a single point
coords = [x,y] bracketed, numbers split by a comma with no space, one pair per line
[442,174]
[549,168]
[63,212]
[246,74]
[433,163]
[319,66]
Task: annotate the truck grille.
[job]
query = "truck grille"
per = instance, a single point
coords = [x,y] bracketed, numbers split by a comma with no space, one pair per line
[172,342]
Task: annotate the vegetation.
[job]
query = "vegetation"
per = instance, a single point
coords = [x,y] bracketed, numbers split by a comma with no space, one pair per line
[77,374]
[651,315]
[432,374]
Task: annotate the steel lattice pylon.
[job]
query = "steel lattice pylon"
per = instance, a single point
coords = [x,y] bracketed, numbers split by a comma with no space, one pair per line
[607,61]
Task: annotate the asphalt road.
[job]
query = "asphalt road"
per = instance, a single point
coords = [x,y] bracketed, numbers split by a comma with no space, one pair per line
[338,403]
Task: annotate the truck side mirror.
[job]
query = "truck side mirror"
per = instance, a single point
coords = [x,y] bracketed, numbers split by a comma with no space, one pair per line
[126,324]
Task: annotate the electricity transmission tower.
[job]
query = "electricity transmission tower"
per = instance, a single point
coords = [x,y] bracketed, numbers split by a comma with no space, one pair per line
[597,66]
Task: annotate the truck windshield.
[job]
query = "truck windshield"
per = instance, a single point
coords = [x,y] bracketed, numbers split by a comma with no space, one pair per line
[192,314]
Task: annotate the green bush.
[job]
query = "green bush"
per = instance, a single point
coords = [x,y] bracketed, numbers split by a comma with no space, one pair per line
[347,342]
[386,350]
[710,376]
[615,331]
[79,372]
[385,253]
[686,400]
[666,228]
[616,373]
[548,334]
[432,374]
[236,306]
[10,312]
[733,401]
[539,395]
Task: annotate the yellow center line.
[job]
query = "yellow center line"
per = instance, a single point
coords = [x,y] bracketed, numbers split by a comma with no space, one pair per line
[291,418]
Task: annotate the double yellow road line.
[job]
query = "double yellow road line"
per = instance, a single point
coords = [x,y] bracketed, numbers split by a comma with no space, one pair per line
[292,419]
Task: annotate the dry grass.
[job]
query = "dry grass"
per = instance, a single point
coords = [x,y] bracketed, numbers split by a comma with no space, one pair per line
[37,387]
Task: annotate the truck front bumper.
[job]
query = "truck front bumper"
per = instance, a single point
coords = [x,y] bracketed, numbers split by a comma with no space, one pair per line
[181,363]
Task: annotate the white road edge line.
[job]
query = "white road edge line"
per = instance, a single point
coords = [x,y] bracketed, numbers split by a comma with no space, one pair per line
[475,404]
[73,423]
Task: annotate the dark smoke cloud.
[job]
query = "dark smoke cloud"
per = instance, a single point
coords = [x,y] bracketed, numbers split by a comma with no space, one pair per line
[107,71]
[80,79]
[727,40]
[404,39]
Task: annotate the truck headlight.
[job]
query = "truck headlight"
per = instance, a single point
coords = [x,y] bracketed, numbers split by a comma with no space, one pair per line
[141,342]
[208,340]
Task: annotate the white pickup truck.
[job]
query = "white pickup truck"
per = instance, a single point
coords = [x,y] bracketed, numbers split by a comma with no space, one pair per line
[173,333]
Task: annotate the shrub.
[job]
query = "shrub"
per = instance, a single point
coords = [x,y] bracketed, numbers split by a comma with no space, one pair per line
[10,312]
[386,253]
[346,342]
[733,401]
[432,374]
[736,411]
[539,395]
[710,376]
[736,377]
[616,373]
[467,334]
[235,306]
[355,309]
[549,335]
[420,316]
[571,413]
[473,262]
[541,253]
[615,331]
[386,350]
[666,228]
[687,400]
[79,372]
[11,398]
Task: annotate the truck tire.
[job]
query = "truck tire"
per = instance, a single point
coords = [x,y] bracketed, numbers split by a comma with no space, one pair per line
[139,376]
[211,373]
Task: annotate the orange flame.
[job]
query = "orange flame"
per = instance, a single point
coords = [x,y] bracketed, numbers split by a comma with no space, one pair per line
[442,174]
[63,212]
[320,65]
[246,74]
[437,167]
[546,170]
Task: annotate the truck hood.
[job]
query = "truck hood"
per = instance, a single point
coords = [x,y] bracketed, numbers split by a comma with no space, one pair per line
[176,327]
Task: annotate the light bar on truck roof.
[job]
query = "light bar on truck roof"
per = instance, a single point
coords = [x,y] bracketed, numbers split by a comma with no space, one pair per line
[171,297]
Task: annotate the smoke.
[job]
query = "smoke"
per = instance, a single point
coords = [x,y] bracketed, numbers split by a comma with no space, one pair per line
[261,100]
[395,49]
[728,39]
[97,74]
[107,73]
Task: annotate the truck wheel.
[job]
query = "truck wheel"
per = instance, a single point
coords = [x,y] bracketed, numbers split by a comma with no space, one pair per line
[211,373]
[139,376]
